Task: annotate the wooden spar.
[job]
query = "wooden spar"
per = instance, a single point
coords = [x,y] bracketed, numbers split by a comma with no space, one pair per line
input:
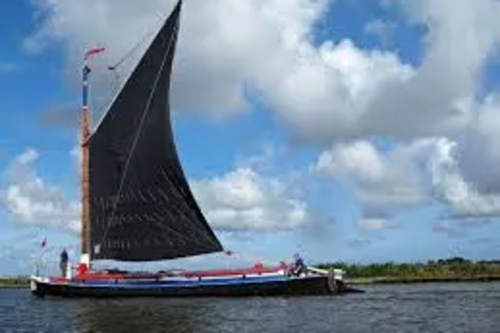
[85,182]
[85,164]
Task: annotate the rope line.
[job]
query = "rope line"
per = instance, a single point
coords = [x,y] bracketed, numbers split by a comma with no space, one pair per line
[129,53]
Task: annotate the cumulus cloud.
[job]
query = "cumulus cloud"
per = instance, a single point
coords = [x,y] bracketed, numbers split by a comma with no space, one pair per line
[406,177]
[30,200]
[382,182]
[216,58]
[450,187]
[241,200]
[477,154]
[438,95]
[245,200]
[321,91]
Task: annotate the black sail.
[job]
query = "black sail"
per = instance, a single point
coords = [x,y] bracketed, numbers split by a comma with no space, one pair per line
[142,208]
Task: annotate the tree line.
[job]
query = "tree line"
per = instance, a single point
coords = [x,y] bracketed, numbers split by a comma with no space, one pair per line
[452,267]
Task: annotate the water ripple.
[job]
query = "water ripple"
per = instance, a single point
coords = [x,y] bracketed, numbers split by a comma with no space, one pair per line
[460,307]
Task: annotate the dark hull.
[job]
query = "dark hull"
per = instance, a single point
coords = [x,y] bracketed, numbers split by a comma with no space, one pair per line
[317,285]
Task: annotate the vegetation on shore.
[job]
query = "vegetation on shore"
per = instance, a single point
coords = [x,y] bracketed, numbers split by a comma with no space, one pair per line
[14,282]
[447,270]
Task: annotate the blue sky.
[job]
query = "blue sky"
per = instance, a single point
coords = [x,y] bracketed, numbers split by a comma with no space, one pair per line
[342,221]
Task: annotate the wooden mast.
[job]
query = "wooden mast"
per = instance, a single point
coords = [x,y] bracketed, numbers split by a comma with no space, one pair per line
[85,162]
[85,186]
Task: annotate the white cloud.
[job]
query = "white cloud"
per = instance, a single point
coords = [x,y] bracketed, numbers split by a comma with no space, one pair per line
[334,89]
[450,187]
[434,101]
[328,92]
[382,182]
[241,200]
[245,200]
[215,59]
[385,183]
[30,200]
[477,152]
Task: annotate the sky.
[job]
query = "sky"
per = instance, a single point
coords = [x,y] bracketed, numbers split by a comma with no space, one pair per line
[347,130]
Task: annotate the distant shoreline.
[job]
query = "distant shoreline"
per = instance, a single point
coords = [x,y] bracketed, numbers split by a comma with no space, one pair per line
[438,271]
[14,283]
[415,280]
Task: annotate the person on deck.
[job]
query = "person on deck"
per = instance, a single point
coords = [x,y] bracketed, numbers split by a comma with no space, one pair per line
[298,266]
[64,262]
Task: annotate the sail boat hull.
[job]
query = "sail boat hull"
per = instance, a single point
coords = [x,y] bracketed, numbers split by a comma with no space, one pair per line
[270,285]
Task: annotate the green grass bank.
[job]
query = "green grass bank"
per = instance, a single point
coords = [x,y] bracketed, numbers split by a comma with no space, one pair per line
[444,270]
[14,282]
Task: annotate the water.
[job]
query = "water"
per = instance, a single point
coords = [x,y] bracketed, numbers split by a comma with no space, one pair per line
[457,307]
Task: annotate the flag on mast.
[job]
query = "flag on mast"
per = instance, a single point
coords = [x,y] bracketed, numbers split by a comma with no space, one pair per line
[93,51]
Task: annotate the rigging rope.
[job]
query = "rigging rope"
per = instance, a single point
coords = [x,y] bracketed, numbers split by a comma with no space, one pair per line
[134,48]
[113,68]
[130,52]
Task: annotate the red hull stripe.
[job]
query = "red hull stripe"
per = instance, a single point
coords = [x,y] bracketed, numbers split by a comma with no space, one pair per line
[176,273]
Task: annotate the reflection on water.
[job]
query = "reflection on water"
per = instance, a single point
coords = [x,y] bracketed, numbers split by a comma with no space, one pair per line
[411,308]
[140,316]
[180,315]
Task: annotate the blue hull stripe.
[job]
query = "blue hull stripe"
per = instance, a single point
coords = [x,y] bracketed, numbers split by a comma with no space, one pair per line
[121,284]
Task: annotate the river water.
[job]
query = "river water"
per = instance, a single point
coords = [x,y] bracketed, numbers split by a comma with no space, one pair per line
[458,307]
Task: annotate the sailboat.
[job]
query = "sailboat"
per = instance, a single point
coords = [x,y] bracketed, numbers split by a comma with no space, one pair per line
[137,205]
